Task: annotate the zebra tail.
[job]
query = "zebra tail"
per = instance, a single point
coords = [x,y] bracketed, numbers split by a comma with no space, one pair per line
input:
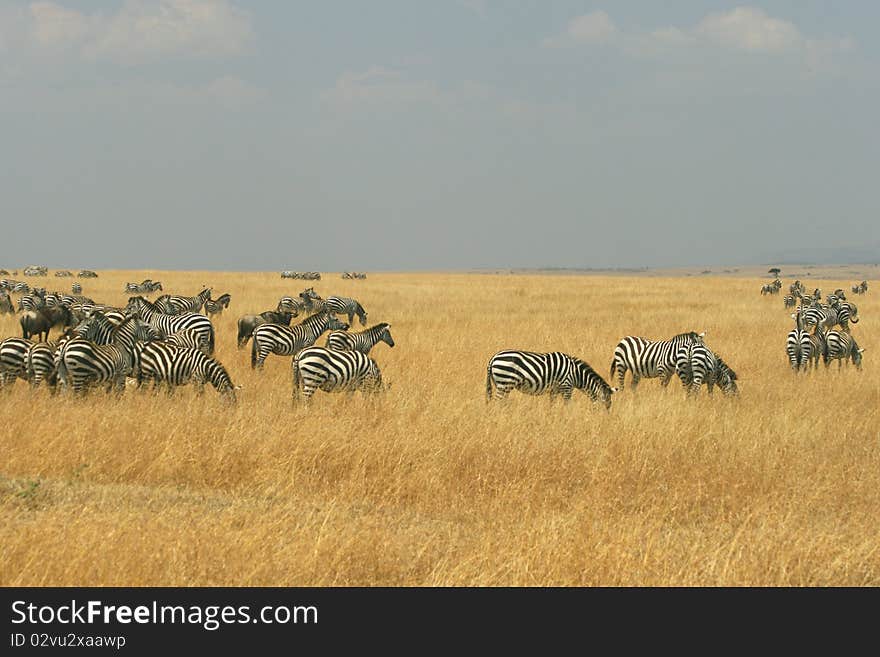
[489,384]
[62,373]
[296,378]
[253,353]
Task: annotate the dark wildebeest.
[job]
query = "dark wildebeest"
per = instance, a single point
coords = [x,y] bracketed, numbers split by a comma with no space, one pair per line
[6,304]
[40,322]
[247,323]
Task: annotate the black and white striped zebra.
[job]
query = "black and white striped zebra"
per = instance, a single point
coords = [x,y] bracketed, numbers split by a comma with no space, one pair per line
[40,364]
[82,363]
[362,341]
[648,359]
[846,312]
[176,304]
[289,340]
[216,306]
[189,338]
[100,328]
[87,273]
[300,304]
[76,288]
[346,306]
[841,346]
[861,288]
[334,371]
[13,360]
[536,373]
[6,306]
[173,366]
[798,358]
[169,324]
[789,301]
[696,364]
[33,301]
[247,323]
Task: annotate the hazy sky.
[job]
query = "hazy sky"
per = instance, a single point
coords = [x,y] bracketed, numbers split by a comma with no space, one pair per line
[430,135]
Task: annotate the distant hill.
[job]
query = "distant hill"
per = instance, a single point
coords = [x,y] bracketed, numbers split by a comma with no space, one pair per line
[865,254]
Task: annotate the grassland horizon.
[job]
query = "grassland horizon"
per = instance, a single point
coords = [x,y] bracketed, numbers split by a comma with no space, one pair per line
[427,484]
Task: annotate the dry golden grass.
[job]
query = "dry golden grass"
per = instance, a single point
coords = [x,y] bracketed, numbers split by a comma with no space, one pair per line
[429,486]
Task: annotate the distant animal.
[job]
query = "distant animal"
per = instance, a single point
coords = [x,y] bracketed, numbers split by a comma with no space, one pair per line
[535,373]
[87,273]
[178,305]
[6,306]
[317,368]
[76,288]
[346,306]
[169,324]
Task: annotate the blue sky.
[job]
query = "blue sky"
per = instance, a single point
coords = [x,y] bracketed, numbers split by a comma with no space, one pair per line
[435,135]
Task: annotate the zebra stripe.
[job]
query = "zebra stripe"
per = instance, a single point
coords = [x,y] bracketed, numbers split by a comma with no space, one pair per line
[696,364]
[169,324]
[288,340]
[176,304]
[648,359]
[13,359]
[346,306]
[362,341]
[177,366]
[842,346]
[537,373]
[40,364]
[190,339]
[82,363]
[334,371]
[216,306]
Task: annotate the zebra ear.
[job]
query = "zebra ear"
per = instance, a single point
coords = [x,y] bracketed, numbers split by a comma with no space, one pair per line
[614,389]
[703,334]
[861,350]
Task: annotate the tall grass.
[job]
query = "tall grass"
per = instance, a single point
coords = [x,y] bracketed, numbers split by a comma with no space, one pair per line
[429,485]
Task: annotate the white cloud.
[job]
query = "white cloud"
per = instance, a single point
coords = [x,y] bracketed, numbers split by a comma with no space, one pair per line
[746,28]
[379,85]
[595,27]
[743,29]
[138,29]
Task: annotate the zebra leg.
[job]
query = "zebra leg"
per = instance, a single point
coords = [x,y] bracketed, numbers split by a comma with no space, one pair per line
[665,377]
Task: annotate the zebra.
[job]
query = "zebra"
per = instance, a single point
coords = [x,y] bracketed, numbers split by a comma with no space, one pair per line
[649,359]
[794,343]
[346,306]
[334,371]
[696,364]
[63,273]
[216,306]
[247,323]
[846,312]
[287,341]
[189,338]
[789,301]
[179,305]
[797,288]
[536,373]
[82,363]
[177,366]
[32,301]
[147,286]
[13,360]
[842,346]
[169,324]
[861,288]
[87,273]
[363,341]
[76,288]
[40,363]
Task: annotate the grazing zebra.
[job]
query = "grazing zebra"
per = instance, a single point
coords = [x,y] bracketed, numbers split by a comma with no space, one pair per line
[353,275]
[538,373]
[308,275]
[289,340]
[841,346]
[76,288]
[40,364]
[63,273]
[175,304]
[13,359]
[177,366]
[649,359]
[147,286]
[346,306]
[696,364]
[363,341]
[861,288]
[846,312]
[87,273]
[189,338]
[247,323]
[216,306]
[82,363]
[169,324]
[303,303]
[334,371]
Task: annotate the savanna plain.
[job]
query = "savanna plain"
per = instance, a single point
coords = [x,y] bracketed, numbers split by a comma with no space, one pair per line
[427,484]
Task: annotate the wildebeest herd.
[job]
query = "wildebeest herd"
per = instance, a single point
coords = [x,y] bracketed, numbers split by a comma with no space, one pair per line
[170,342]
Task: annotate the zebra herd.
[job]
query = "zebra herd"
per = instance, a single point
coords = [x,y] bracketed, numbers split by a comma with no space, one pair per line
[303,275]
[805,347]
[353,275]
[170,342]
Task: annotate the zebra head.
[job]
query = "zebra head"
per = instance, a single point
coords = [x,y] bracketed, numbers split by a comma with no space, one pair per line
[334,324]
[386,335]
